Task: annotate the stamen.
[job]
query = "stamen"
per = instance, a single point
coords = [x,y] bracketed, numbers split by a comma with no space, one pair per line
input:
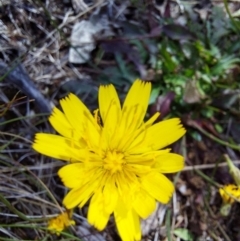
[97,117]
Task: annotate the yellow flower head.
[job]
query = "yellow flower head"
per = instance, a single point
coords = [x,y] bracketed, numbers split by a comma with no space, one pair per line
[117,164]
[230,193]
[59,223]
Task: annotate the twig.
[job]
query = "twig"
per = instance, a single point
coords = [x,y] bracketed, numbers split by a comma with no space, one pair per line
[207,166]
[208,179]
[224,143]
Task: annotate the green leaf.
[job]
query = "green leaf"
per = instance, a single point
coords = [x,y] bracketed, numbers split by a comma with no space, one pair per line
[178,32]
[225,209]
[184,234]
[219,128]
[196,136]
[154,95]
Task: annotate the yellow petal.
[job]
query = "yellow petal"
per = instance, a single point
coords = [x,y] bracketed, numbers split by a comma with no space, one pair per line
[135,108]
[74,111]
[143,204]
[150,121]
[97,216]
[158,136]
[127,183]
[225,196]
[158,186]
[79,196]
[138,95]
[60,123]
[165,133]
[147,158]
[230,193]
[144,163]
[59,223]
[133,112]
[169,163]
[108,99]
[128,223]
[80,117]
[57,147]
[74,198]
[110,195]
[72,175]
[110,110]
[130,136]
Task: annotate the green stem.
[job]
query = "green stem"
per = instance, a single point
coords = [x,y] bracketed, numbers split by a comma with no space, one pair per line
[208,179]
[230,16]
[13,209]
[18,213]
[168,224]
[224,143]
[22,118]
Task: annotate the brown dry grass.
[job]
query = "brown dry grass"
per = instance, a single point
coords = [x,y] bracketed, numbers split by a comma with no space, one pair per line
[37,34]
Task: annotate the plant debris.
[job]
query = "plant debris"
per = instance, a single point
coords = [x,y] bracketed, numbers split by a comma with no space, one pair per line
[189,51]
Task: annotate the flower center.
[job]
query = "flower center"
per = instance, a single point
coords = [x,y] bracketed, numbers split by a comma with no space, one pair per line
[114,161]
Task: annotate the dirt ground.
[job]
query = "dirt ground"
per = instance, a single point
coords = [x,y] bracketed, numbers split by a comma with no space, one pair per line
[51,47]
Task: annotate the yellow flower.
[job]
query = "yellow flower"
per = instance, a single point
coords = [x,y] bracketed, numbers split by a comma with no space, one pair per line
[117,164]
[230,193]
[59,223]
